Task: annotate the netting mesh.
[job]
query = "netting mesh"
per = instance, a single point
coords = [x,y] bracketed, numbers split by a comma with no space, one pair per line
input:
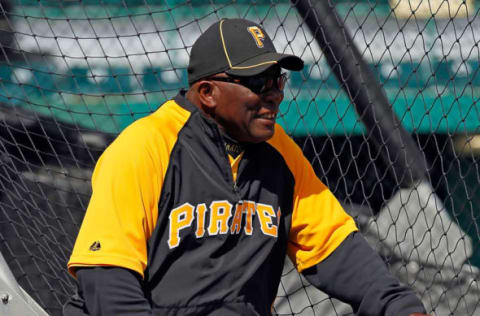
[73,74]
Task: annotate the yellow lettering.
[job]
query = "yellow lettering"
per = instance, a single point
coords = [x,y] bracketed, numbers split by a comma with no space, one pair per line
[265,213]
[220,213]
[257,34]
[201,209]
[250,210]
[180,218]
[237,218]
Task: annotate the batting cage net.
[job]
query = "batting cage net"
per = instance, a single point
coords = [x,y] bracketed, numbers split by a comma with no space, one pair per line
[386,109]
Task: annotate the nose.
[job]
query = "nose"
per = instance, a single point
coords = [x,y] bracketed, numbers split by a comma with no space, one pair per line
[273,97]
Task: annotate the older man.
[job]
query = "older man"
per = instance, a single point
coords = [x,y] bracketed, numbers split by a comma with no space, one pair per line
[195,207]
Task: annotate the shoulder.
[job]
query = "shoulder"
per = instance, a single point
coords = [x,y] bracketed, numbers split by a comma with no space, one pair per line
[162,125]
[168,118]
[150,137]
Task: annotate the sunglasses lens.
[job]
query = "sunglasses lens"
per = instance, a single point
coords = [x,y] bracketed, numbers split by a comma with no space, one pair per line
[262,84]
[256,84]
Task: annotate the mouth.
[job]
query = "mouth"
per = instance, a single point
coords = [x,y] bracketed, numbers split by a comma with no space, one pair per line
[268,116]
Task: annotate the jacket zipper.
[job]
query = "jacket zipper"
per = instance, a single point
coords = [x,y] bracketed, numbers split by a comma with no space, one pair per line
[227,161]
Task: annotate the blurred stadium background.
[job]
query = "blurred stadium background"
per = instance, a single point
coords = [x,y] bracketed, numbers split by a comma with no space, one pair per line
[74,73]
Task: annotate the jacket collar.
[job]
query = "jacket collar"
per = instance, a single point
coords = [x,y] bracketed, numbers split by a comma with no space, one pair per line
[182,100]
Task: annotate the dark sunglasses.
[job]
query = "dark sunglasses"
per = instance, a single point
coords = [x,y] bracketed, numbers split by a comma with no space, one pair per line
[258,84]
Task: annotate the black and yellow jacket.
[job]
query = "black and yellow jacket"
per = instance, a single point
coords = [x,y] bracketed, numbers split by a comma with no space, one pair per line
[206,233]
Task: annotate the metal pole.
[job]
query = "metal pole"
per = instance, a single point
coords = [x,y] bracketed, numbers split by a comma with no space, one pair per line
[13,299]
[371,104]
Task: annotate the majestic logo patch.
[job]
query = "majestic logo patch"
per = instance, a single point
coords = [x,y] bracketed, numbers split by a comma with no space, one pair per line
[257,34]
[233,149]
[95,246]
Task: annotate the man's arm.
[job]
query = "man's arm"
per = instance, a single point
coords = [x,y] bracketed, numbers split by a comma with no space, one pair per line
[112,291]
[355,273]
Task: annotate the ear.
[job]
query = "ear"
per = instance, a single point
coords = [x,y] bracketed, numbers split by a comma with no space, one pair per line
[207,93]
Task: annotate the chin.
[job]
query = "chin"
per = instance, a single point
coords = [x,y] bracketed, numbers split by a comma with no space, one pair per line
[254,135]
[261,137]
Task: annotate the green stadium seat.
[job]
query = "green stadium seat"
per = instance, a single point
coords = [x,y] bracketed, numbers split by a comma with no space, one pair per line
[157,78]
[78,80]
[21,84]
[43,81]
[463,72]
[5,72]
[411,75]
[5,82]
[453,73]
[310,77]
[81,80]
[443,73]
[475,73]
[117,80]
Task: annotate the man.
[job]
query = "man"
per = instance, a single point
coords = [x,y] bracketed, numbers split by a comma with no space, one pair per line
[195,206]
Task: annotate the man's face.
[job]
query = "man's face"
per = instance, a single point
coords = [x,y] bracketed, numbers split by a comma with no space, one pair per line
[245,115]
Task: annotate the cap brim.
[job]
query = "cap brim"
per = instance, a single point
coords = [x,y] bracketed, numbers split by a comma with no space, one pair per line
[259,64]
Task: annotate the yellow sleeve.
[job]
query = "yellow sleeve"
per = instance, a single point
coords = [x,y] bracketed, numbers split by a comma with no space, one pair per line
[126,185]
[319,222]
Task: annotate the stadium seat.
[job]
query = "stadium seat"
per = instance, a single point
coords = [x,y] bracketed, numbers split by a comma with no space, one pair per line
[157,78]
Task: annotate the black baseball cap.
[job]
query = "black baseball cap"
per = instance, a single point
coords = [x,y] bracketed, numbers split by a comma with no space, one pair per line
[237,47]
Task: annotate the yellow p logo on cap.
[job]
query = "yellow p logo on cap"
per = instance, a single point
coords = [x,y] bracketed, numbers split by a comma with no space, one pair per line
[257,35]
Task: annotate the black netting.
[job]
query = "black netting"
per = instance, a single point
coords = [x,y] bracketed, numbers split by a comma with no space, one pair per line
[73,74]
